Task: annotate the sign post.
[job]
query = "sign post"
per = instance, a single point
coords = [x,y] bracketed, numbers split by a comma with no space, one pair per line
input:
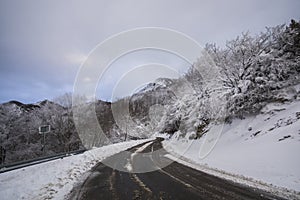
[43,130]
[2,155]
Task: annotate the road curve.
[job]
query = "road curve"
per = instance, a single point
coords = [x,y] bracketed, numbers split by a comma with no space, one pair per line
[174,181]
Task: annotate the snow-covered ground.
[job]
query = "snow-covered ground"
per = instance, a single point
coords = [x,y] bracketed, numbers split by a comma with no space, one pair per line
[54,179]
[262,149]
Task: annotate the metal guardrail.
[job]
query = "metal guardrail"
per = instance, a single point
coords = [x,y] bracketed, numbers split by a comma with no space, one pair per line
[26,163]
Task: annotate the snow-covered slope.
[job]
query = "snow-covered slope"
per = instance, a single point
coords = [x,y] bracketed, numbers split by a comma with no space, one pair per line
[160,83]
[264,147]
[54,179]
[19,133]
[158,92]
[19,128]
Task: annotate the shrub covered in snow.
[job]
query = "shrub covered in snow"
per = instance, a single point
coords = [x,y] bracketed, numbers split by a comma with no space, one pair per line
[255,68]
[253,71]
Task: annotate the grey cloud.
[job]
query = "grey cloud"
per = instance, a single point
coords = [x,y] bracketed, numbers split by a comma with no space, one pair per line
[41,40]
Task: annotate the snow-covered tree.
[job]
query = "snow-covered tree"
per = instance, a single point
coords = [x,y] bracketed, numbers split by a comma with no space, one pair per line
[254,68]
[251,71]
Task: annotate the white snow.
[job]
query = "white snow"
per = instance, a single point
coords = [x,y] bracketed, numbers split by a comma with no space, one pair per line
[55,179]
[264,147]
[128,166]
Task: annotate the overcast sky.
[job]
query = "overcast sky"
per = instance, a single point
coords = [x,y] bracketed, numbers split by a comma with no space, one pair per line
[43,43]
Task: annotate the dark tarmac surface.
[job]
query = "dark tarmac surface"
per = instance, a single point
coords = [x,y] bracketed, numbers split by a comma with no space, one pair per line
[175,181]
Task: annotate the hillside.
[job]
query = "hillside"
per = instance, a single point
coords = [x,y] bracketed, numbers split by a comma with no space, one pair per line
[262,147]
[19,129]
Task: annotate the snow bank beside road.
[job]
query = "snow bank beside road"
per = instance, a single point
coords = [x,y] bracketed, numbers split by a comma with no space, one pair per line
[264,147]
[55,179]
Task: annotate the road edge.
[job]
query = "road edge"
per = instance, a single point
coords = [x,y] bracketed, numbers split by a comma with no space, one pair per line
[243,180]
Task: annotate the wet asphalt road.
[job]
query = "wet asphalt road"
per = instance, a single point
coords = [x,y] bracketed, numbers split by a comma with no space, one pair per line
[175,181]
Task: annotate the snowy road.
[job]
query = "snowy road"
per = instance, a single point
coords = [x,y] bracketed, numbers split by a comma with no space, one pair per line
[174,181]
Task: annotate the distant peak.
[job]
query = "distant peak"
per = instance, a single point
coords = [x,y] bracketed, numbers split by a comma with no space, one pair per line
[21,105]
[45,102]
[15,102]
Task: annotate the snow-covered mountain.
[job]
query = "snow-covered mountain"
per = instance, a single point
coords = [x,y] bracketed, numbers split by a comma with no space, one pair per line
[19,129]
[159,92]
[252,71]
[257,137]
[258,97]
